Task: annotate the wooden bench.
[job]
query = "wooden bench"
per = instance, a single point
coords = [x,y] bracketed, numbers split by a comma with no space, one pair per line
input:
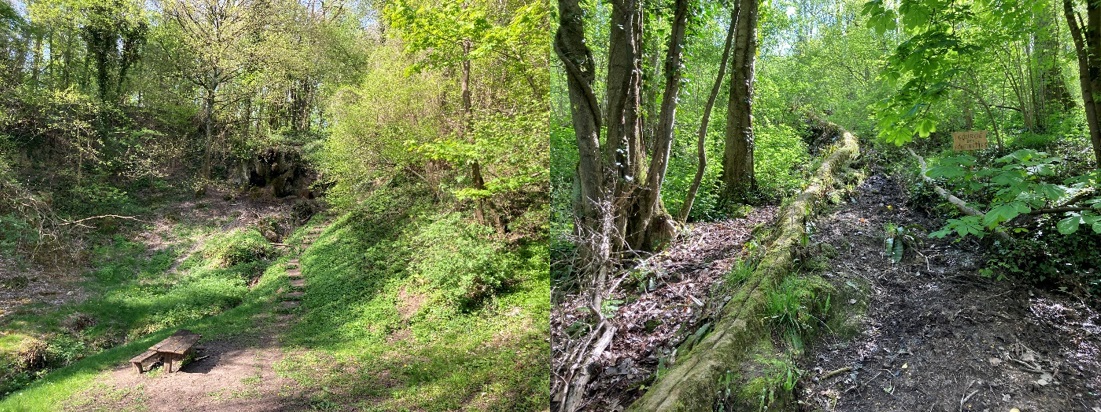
[171,351]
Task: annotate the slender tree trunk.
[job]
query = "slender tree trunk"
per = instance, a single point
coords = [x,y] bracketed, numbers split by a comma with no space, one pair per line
[623,146]
[37,65]
[208,132]
[483,211]
[593,210]
[701,134]
[738,178]
[67,66]
[1055,96]
[650,224]
[1087,45]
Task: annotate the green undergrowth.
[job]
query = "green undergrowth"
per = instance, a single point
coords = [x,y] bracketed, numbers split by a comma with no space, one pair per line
[135,299]
[410,308]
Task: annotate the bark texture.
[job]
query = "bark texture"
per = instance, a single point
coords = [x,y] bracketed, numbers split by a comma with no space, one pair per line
[1087,46]
[738,178]
[649,224]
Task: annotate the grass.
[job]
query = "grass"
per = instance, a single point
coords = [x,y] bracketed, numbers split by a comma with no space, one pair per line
[378,333]
[135,300]
[58,386]
[381,327]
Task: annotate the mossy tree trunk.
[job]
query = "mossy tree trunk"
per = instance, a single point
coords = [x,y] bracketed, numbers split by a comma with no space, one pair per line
[738,177]
[693,382]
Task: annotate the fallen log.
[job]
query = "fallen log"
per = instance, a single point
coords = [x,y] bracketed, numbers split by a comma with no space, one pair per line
[695,381]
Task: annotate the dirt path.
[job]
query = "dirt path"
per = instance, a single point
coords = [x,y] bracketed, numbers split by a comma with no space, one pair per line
[235,374]
[939,337]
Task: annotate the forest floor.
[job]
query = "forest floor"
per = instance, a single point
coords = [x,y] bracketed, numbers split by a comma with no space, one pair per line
[935,336]
[938,336]
[231,373]
[236,373]
[657,305]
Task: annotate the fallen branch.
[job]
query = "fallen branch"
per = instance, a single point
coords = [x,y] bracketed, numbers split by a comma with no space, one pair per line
[78,222]
[580,370]
[1066,206]
[955,201]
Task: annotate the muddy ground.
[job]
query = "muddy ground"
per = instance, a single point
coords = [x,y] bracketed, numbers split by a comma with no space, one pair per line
[937,335]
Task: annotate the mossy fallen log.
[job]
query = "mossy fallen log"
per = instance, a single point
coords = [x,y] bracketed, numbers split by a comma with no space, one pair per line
[700,379]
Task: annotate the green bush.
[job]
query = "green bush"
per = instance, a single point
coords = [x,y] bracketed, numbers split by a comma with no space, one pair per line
[780,156]
[460,259]
[237,247]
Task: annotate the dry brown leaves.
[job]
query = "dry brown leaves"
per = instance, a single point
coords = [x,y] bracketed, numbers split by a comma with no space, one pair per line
[663,300]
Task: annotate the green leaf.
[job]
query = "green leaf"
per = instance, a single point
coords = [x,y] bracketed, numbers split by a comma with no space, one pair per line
[1003,213]
[946,171]
[1052,192]
[926,127]
[1069,225]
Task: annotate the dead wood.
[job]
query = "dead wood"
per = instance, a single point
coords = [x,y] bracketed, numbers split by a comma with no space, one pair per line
[693,381]
[572,387]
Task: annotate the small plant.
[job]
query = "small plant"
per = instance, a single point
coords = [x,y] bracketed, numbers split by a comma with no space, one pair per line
[896,239]
[741,272]
[794,307]
[778,381]
[240,246]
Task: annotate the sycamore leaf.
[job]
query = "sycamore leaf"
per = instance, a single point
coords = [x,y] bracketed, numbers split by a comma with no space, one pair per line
[1052,192]
[946,171]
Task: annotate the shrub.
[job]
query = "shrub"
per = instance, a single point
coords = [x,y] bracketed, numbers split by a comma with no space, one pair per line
[780,157]
[460,259]
[237,247]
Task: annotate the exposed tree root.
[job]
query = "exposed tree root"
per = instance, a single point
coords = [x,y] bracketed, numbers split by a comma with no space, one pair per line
[693,383]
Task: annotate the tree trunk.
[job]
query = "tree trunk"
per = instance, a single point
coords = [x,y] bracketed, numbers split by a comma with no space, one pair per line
[483,211]
[593,211]
[738,178]
[623,146]
[1087,45]
[624,83]
[1056,96]
[208,130]
[701,134]
[37,65]
[650,224]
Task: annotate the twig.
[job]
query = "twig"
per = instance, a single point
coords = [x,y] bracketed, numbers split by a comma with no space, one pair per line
[836,372]
[963,400]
